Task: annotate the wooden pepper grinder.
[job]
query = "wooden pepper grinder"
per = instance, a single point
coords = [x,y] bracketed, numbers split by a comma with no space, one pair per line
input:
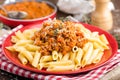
[102,16]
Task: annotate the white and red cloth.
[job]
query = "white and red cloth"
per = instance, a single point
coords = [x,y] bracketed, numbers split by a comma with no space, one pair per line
[95,74]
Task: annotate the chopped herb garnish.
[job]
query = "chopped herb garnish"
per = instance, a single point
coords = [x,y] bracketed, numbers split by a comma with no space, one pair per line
[63,19]
[60,26]
[55,32]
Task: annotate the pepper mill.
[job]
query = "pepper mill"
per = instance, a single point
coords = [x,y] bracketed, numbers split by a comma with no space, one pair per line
[102,16]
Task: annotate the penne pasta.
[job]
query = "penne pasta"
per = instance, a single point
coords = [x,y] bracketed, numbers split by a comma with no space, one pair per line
[14,39]
[59,63]
[22,58]
[83,29]
[103,39]
[72,56]
[85,47]
[60,55]
[61,68]
[55,55]
[36,59]
[87,54]
[19,35]
[95,35]
[99,42]
[33,53]
[94,55]
[75,49]
[46,58]
[31,47]
[97,46]
[24,42]
[11,48]
[78,58]
[41,66]
[98,57]
[29,33]
[27,54]
[65,57]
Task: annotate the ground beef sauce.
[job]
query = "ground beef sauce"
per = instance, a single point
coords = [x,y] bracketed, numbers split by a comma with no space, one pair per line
[58,35]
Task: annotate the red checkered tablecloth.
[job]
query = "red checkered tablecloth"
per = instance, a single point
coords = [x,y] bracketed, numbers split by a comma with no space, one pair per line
[95,74]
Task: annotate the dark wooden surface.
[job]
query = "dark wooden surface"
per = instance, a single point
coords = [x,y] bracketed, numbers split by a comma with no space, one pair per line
[116,3]
[8,76]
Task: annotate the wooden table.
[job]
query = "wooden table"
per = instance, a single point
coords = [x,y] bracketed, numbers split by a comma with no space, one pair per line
[112,75]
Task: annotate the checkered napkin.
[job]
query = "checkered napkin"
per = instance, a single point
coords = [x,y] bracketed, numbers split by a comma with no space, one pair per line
[95,74]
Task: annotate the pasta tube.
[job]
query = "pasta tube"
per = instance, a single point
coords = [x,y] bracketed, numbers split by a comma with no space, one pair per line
[65,57]
[98,58]
[103,39]
[78,58]
[61,68]
[36,59]
[60,63]
[20,35]
[14,39]
[22,58]
[94,55]
[87,55]
[46,58]
[55,55]
[60,55]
